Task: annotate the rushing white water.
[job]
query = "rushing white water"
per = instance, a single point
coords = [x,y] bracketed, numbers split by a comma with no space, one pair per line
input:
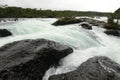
[85,43]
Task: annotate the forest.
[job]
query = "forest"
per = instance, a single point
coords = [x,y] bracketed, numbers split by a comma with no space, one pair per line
[19,12]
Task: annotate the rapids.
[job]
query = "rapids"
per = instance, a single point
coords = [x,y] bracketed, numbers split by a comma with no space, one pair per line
[86,43]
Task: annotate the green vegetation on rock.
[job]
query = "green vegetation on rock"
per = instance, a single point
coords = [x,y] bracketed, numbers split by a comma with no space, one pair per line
[66,20]
[111,24]
[117,14]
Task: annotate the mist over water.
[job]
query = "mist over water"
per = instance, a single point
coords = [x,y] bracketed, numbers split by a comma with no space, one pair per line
[86,43]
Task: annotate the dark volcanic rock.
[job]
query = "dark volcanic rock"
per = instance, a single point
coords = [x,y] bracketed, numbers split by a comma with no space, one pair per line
[86,26]
[29,59]
[96,68]
[113,32]
[4,33]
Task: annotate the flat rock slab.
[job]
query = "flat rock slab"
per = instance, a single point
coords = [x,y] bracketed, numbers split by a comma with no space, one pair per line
[29,59]
[96,68]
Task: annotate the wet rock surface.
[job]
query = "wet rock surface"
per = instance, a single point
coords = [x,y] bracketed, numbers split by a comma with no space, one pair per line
[113,32]
[111,27]
[29,59]
[93,22]
[66,21]
[86,25]
[96,68]
[5,33]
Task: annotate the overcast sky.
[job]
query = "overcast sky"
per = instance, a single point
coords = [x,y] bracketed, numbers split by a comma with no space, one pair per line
[80,5]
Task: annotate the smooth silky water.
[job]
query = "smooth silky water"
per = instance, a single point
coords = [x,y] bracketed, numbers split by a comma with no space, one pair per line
[86,43]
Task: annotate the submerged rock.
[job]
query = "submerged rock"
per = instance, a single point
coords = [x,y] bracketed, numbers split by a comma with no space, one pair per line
[96,68]
[4,33]
[113,32]
[86,25]
[8,19]
[29,59]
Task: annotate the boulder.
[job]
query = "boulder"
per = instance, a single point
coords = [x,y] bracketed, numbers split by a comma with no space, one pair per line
[93,22]
[86,25]
[29,59]
[111,26]
[97,23]
[66,21]
[4,33]
[96,68]
[71,20]
[112,32]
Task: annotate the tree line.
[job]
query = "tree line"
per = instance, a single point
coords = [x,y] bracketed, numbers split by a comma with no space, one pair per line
[18,12]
